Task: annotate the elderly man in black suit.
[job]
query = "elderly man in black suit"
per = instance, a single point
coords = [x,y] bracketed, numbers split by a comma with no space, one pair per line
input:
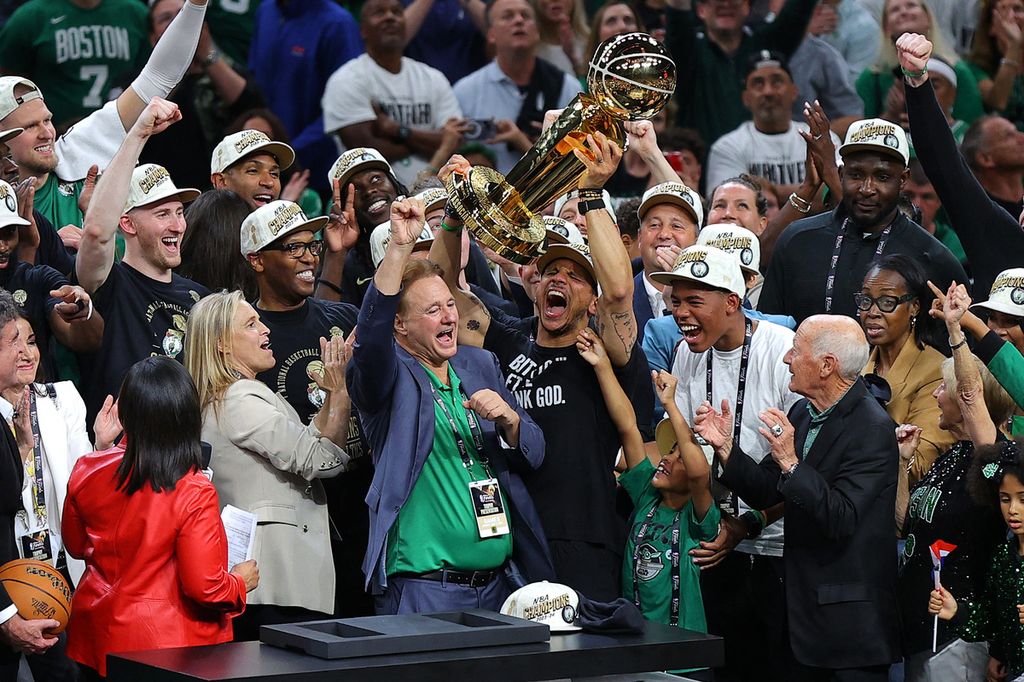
[833,461]
[24,635]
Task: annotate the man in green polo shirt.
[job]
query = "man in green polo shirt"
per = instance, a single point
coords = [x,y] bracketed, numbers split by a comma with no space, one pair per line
[451,524]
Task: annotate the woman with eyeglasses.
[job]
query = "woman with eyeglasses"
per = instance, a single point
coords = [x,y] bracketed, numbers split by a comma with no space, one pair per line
[265,460]
[971,404]
[893,308]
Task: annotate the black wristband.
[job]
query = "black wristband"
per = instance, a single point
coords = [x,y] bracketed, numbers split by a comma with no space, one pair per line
[330,285]
[752,523]
[403,133]
[592,204]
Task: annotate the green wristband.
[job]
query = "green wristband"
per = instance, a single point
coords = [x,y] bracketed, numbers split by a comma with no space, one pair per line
[914,74]
[450,228]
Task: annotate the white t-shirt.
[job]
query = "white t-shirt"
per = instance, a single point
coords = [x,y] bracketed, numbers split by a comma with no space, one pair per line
[418,96]
[767,386]
[779,157]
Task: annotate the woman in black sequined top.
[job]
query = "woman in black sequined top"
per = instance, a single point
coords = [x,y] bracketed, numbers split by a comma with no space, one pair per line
[971,403]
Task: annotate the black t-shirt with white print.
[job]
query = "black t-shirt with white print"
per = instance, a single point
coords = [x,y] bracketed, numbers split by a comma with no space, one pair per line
[142,317]
[574,490]
[30,285]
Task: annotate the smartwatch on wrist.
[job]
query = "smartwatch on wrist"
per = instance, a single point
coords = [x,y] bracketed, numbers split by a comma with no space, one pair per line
[590,205]
[403,133]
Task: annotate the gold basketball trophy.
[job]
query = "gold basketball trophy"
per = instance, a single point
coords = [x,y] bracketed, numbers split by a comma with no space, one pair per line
[631,77]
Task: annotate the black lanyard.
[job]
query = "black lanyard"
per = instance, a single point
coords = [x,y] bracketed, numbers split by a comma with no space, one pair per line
[673,616]
[38,494]
[474,429]
[830,281]
[741,389]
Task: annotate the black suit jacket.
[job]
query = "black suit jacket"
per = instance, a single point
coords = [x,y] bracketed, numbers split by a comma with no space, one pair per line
[839,547]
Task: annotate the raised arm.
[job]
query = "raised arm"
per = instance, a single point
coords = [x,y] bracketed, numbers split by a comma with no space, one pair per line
[591,349]
[642,139]
[171,57]
[969,388]
[697,469]
[976,218]
[616,321]
[446,251]
[96,251]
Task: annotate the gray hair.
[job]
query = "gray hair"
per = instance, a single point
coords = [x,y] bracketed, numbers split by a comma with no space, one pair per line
[8,308]
[842,338]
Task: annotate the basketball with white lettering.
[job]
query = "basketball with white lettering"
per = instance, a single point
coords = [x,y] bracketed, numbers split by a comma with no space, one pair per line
[38,590]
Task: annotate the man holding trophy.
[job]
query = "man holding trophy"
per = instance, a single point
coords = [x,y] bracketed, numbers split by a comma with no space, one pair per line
[630,78]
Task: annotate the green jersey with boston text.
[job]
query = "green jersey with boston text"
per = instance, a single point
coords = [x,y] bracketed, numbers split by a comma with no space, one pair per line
[75,55]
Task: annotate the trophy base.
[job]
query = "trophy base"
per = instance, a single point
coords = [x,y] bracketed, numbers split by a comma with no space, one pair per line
[495,214]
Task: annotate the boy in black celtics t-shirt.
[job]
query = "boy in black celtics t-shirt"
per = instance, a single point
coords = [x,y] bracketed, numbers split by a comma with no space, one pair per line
[280,243]
[145,306]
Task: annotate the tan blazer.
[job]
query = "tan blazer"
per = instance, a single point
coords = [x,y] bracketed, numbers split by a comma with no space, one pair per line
[266,462]
[913,378]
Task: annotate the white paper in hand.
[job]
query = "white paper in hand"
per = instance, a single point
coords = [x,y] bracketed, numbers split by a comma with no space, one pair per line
[240,527]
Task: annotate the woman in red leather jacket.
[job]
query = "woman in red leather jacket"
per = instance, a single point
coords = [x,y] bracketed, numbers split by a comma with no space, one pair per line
[147,523]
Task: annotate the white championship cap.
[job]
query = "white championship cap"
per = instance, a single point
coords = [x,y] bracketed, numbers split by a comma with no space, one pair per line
[673,193]
[272,221]
[561,231]
[553,604]
[355,160]
[739,241]
[8,101]
[876,135]
[1007,293]
[561,201]
[152,183]
[381,237]
[237,146]
[576,252]
[9,207]
[706,265]
[433,199]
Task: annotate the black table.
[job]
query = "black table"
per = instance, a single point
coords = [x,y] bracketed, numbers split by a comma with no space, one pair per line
[661,647]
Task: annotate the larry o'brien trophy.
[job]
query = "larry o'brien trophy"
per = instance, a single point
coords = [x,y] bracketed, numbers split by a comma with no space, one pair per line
[631,77]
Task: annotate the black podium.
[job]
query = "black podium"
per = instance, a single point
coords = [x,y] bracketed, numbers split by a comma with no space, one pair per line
[576,654]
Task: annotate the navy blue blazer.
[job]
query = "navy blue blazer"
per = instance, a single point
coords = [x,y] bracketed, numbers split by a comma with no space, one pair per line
[391,392]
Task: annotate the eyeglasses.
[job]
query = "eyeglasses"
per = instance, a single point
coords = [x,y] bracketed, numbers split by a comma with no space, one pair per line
[886,304]
[298,249]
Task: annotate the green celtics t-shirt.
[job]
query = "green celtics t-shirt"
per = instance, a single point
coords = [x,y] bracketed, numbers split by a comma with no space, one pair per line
[436,527]
[655,555]
[75,55]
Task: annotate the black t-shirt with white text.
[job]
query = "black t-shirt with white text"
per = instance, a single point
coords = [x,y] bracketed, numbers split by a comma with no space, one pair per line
[574,489]
[142,317]
[30,285]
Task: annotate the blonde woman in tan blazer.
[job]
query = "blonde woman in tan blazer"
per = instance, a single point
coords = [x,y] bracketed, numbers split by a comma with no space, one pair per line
[266,461]
[893,308]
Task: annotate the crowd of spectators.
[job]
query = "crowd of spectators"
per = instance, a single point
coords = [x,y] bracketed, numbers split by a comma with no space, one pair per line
[769,358]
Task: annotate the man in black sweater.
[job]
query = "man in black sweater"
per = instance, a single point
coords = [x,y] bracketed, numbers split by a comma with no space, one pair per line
[993,240]
[24,635]
[820,262]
